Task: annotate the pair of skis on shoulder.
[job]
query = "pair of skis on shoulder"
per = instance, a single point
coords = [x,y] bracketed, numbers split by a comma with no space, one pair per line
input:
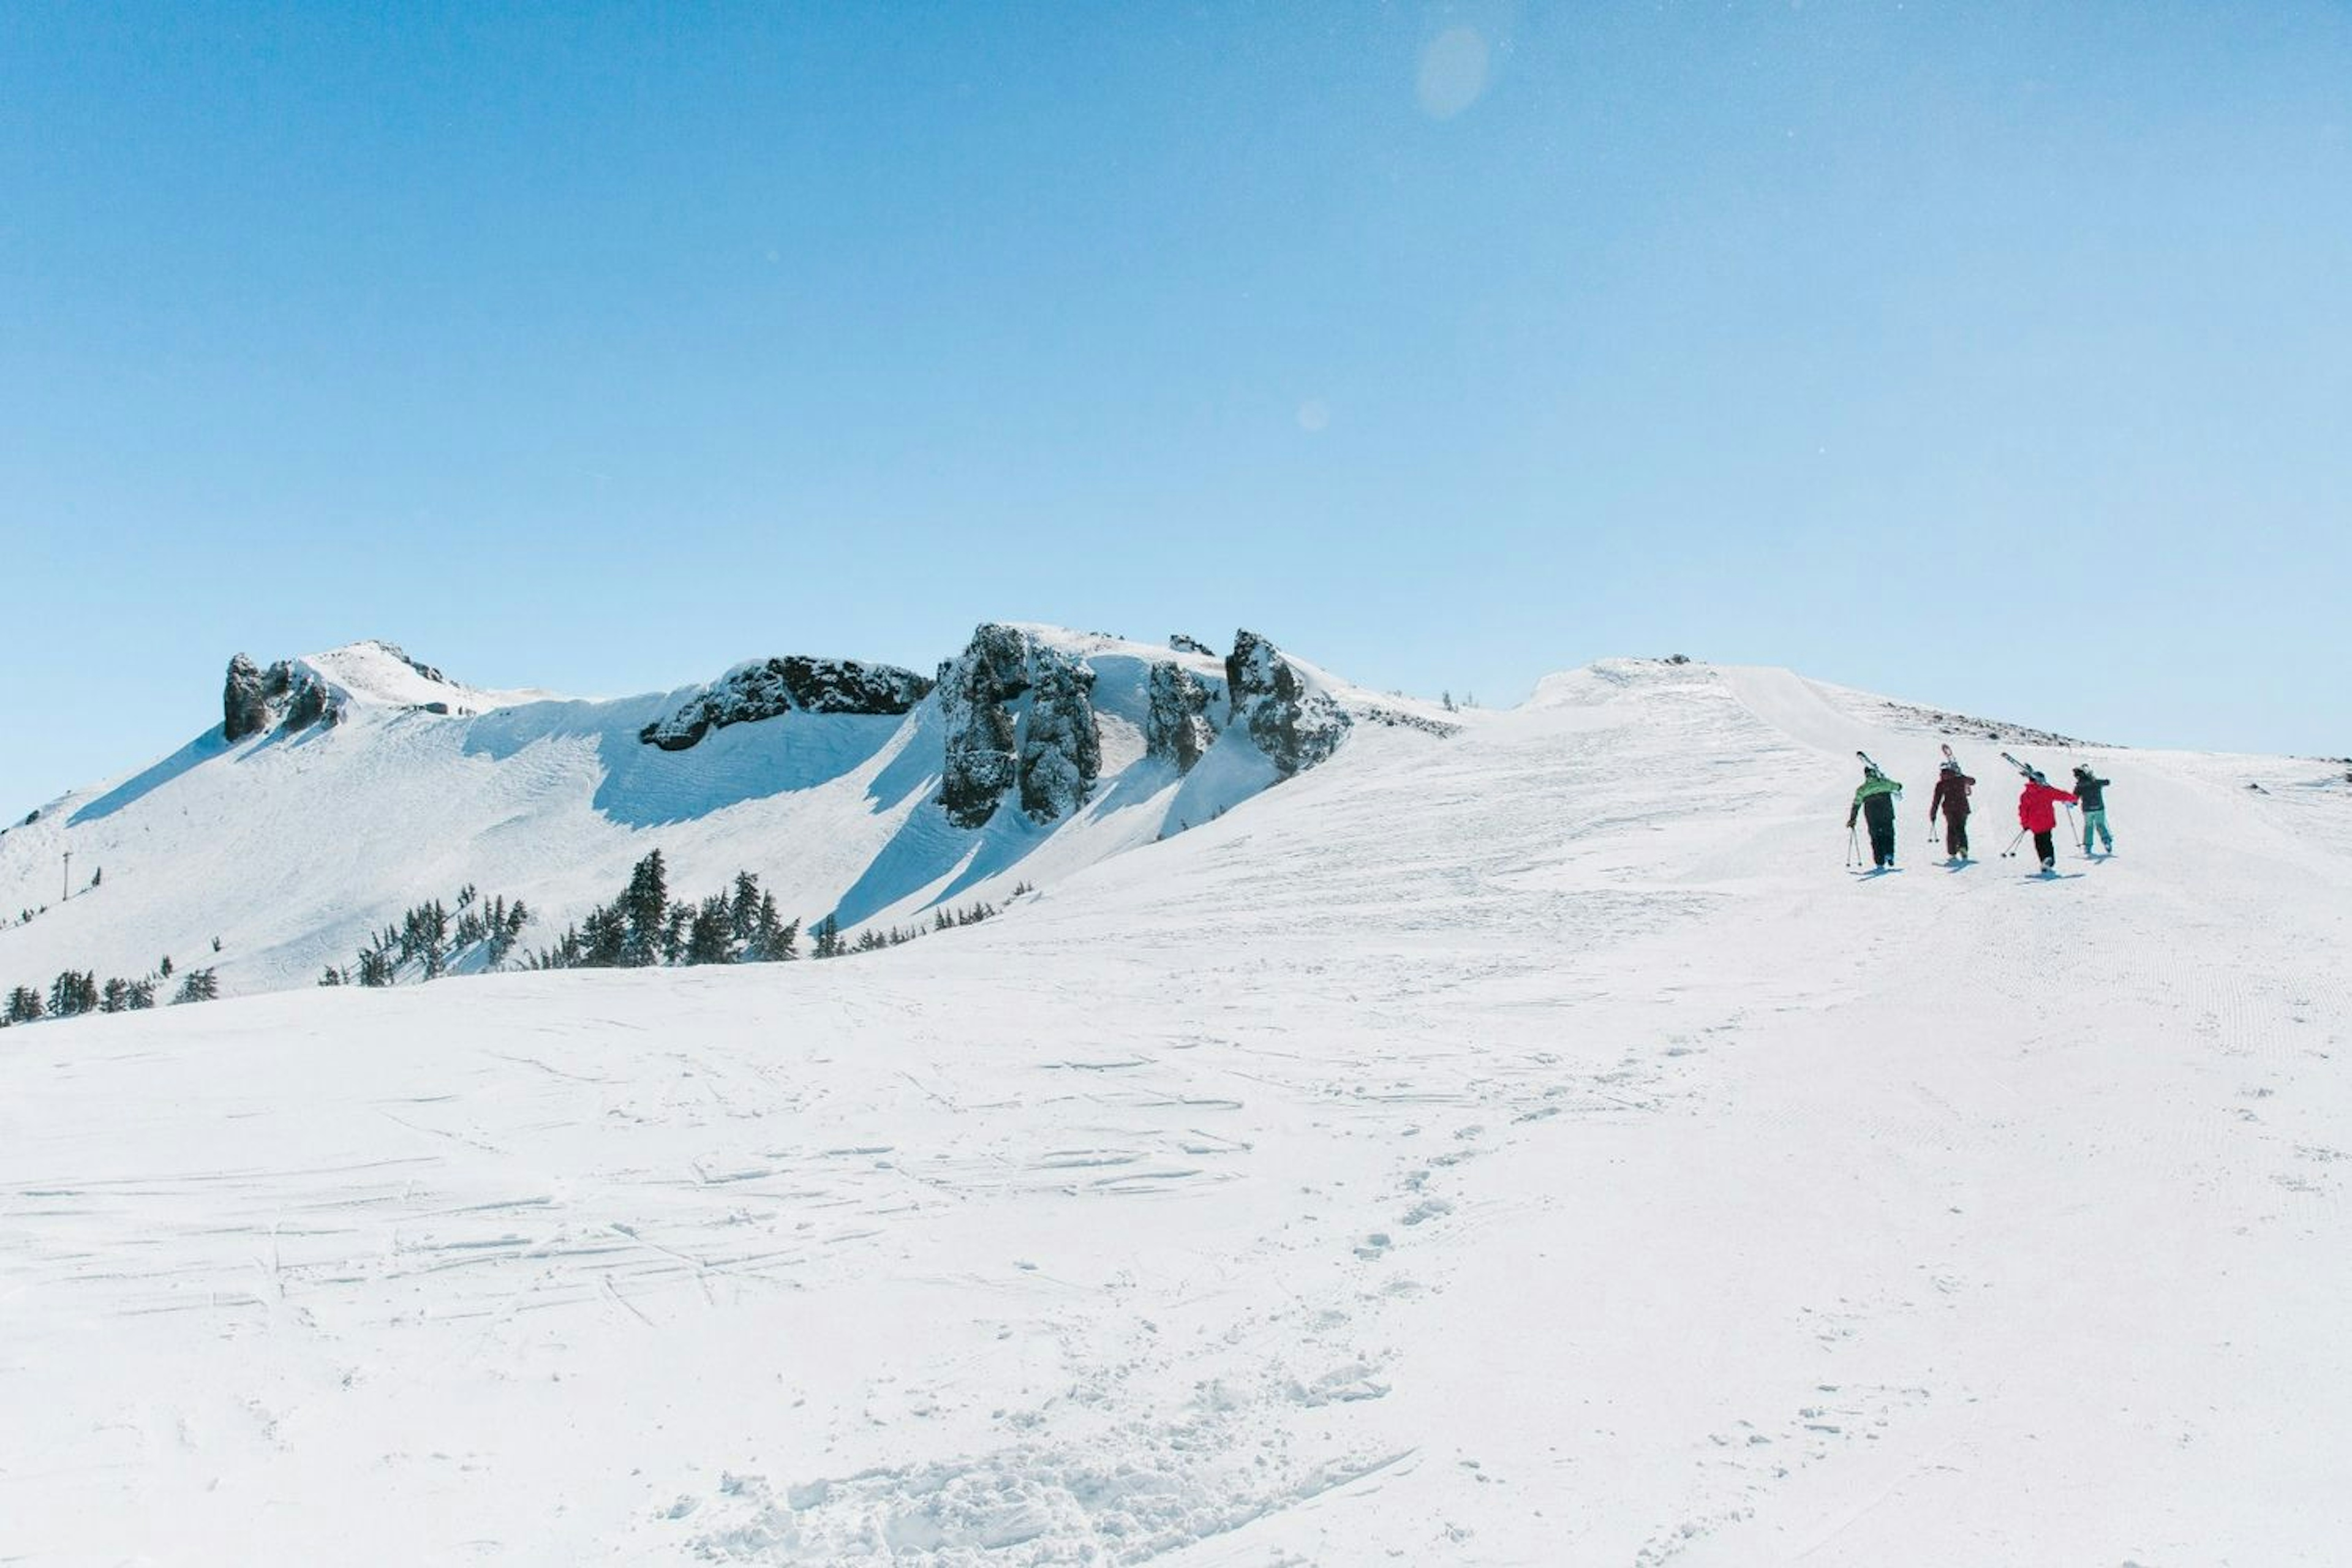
[1869,762]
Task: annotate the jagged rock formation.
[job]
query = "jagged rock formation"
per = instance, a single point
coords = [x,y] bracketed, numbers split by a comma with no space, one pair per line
[1061,744]
[1177,728]
[243,710]
[1051,747]
[1293,722]
[975,687]
[286,695]
[1182,644]
[751,692]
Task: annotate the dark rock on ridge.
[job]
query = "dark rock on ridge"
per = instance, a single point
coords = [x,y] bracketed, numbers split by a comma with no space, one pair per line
[285,695]
[1176,727]
[751,692]
[1294,724]
[1051,747]
[1061,743]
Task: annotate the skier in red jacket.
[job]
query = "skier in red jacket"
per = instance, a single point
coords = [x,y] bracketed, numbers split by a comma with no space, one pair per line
[2037,813]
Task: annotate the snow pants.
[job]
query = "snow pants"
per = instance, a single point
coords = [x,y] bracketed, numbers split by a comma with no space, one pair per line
[2096,821]
[1879,813]
[2046,847]
[1956,834]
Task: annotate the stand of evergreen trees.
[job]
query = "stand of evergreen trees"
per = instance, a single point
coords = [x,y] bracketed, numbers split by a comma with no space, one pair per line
[645,927]
[77,992]
[432,939]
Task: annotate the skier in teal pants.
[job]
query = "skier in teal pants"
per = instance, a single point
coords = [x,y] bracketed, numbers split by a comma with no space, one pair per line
[2092,793]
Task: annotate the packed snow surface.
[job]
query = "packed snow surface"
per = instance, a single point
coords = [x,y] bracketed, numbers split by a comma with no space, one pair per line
[1533,1148]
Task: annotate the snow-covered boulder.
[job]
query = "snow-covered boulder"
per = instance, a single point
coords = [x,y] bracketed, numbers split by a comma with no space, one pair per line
[1177,730]
[767,689]
[1018,712]
[1286,712]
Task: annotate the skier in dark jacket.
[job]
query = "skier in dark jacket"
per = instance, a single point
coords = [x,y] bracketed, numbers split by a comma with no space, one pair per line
[2092,791]
[1875,800]
[2037,812]
[1951,798]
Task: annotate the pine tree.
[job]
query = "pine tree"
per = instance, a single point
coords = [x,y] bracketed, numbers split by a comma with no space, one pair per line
[197,985]
[767,931]
[646,909]
[709,942]
[165,968]
[116,996]
[25,1005]
[603,938]
[73,993]
[141,995]
[743,914]
[828,938]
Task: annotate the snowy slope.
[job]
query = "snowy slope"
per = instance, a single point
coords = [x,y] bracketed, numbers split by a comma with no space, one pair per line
[292,845]
[1529,1149]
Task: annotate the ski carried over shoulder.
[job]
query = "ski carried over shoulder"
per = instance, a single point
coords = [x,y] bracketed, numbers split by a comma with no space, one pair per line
[1951,759]
[1869,763]
[2033,774]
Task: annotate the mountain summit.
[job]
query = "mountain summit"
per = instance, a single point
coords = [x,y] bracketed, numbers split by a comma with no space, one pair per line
[340,788]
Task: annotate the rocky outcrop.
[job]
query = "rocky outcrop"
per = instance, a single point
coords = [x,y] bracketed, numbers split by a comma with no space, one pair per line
[244,710]
[1061,744]
[1289,719]
[1017,713]
[285,696]
[1176,725]
[774,687]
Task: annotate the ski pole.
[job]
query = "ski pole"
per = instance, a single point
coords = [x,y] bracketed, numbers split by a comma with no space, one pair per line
[2013,844]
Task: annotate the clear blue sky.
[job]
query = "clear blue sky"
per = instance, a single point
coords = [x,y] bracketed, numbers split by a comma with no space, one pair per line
[1998,356]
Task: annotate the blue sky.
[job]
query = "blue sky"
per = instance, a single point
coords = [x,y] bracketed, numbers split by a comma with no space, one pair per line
[1993,355]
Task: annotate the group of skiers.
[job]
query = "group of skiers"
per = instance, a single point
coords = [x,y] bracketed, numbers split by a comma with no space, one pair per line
[2037,810]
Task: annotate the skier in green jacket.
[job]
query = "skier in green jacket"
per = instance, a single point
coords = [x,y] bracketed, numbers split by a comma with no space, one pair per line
[1875,802]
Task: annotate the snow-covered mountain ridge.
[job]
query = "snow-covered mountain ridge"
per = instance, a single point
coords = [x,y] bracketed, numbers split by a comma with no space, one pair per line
[340,788]
[1530,1148]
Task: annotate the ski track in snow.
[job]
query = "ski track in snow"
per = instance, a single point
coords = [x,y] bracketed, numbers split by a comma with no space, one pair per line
[1526,1149]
